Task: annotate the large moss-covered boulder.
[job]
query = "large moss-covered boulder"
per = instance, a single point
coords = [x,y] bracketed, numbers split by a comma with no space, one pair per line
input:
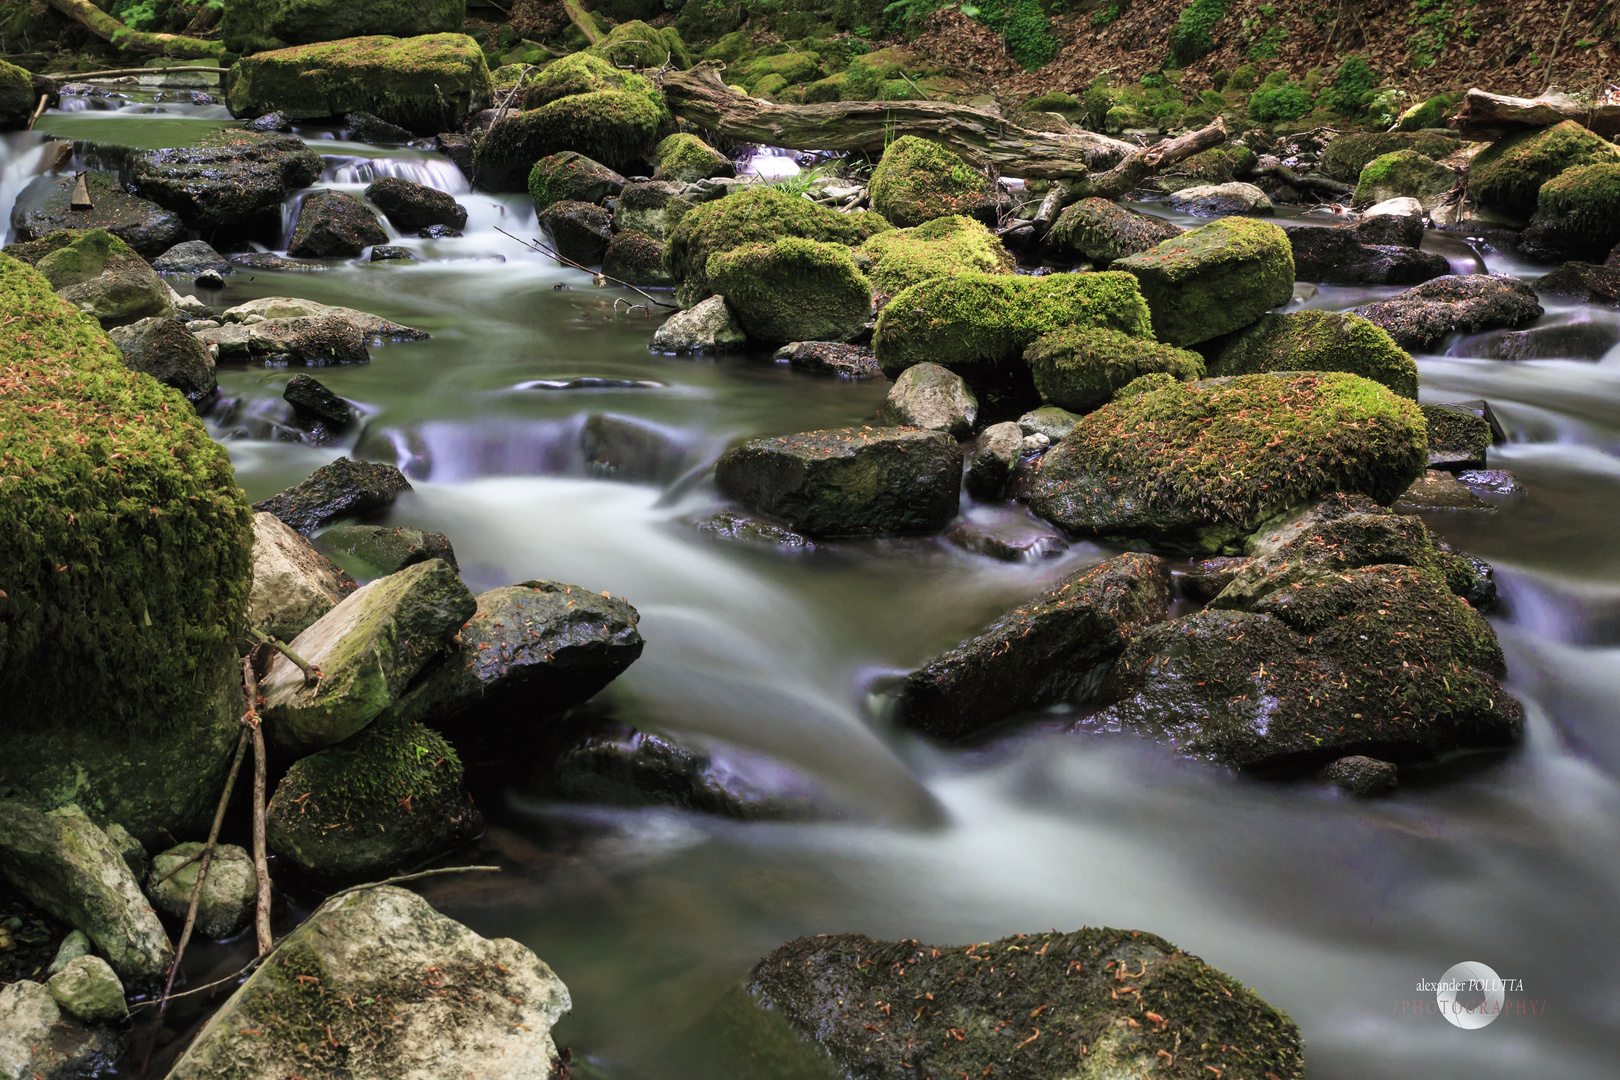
[848,481]
[1319,341]
[1348,154]
[124,569]
[619,128]
[634,43]
[103,277]
[228,183]
[571,176]
[1577,214]
[1029,1007]
[1081,368]
[384,799]
[1199,465]
[251,26]
[919,181]
[793,290]
[425,84]
[579,73]
[45,207]
[1214,279]
[755,215]
[1424,314]
[943,247]
[1101,230]
[1404,174]
[1508,174]
[17,97]
[687,159]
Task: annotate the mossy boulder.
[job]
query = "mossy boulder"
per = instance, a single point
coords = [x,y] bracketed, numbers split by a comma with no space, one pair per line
[424,84]
[45,207]
[826,90]
[1404,173]
[1429,113]
[943,247]
[635,44]
[1426,313]
[1067,106]
[1577,214]
[250,26]
[653,208]
[104,278]
[1081,368]
[571,176]
[755,215]
[788,67]
[1196,466]
[813,1006]
[1319,341]
[1347,155]
[17,97]
[383,800]
[1101,230]
[793,290]
[229,183]
[1217,165]
[1214,279]
[125,549]
[1508,174]
[619,128]
[229,891]
[687,158]
[579,73]
[636,259]
[918,181]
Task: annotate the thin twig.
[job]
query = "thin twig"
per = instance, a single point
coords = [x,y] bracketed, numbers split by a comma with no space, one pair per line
[536,245]
[312,674]
[189,859]
[261,865]
[82,76]
[408,877]
[249,966]
[38,109]
[507,104]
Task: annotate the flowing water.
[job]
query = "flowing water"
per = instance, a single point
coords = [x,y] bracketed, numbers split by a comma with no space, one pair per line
[1331,909]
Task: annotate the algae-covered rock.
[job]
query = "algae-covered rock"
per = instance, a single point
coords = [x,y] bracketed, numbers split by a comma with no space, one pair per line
[164,349]
[250,26]
[37,1039]
[124,568]
[104,278]
[229,894]
[619,128]
[934,398]
[293,584]
[383,800]
[1348,154]
[44,207]
[686,159]
[1217,165]
[635,44]
[1101,230]
[381,550]
[1198,465]
[228,183]
[848,481]
[1081,368]
[342,489]
[918,181]
[636,259]
[17,97]
[1421,316]
[334,224]
[412,207]
[944,247]
[1362,776]
[823,1003]
[1404,174]
[571,176]
[368,649]
[1214,279]
[427,84]
[754,215]
[581,231]
[1048,650]
[652,208]
[1458,439]
[793,290]
[708,326]
[1319,341]
[1508,174]
[88,990]
[1577,214]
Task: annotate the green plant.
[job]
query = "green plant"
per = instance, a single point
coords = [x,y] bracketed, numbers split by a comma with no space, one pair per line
[1219,79]
[1191,37]
[1268,44]
[1244,78]
[1430,18]
[1105,15]
[1352,86]
[1289,101]
[1386,107]
[1154,80]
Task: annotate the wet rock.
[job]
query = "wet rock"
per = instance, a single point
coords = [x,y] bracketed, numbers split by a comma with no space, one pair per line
[1391,222]
[312,401]
[1219,200]
[410,207]
[342,489]
[191,257]
[386,550]
[636,260]
[1330,255]
[1014,541]
[830,358]
[16,97]
[653,208]
[1579,337]
[64,864]
[231,184]
[1510,173]
[705,327]
[628,448]
[103,277]
[1458,438]
[727,525]
[269,122]
[1362,776]
[1101,230]
[1491,481]
[332,224]
[1586,282]
[453,1003]
[579,230]
[991,458]
[43,208]
[1214,279]
[293,584]
[390,253]
[931,397]
[1052,649]
[459,147]
[814,1002]
[1319,341]
[164,349]
[369,648]
[686,159]
[75,945]
[370,327]
[129,849]
[1161,466]
[1421,316]
[572,177]
[848,481]
[438,232]
[625,767]
[1048,420]
[793,290]
[364,127]
[1081,368]
[1439,490]
[269,260]
[229,893]
[1205,579]
[37,1040]
[1404,174]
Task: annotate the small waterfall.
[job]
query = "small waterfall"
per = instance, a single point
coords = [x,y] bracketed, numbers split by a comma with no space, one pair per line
[22,157]
[437,172]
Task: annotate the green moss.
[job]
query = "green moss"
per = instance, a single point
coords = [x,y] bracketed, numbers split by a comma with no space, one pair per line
[1192,35]
[580,73]
[125,543]
[768,86]
[1065,105]
[1457,432]
[1586,197]
[825,90]
[366,779]
[618,128]
[1320,341]
[1427,114]
[792,290]
[1101,230]
[1286,101]
[688,158]
[1402,173]
[1214,279]
[82,255]
[636,44]
[1353,85]
[943,247]
[918,181]
[1509,173]
[731,49]
[1080,368]
[1347,155]
[251,26]
[1219,164]
[793,67]
[570,177]
[757,214]
[899,90]
[1145,384]
[16,94]
[1245,77]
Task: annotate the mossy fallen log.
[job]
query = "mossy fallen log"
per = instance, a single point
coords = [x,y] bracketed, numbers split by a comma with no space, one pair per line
[107,28]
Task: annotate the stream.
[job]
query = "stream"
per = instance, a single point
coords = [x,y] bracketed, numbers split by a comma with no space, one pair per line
[1331,909]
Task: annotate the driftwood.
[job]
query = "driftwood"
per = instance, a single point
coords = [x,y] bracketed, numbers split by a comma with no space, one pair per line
[1269,165]
[107,28]
[582,19]
[1496,114]
[86,76]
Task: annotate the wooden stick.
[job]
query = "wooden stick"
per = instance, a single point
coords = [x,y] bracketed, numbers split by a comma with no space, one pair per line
[261,865]
[107,28]
[189,859]
[536,245]
[38,111]
[582,19]
[85,76]
[409,877]
[312,674]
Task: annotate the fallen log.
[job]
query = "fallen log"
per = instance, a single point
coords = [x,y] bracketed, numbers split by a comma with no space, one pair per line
[1270,165]
[1485,114]
[582,19]
[107,28]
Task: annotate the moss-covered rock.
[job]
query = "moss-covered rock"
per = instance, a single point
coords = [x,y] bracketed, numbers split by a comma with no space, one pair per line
[1577,214]
[943,247]
[918,181]
[636,259]
[1347,155]
[1067,106]
[104,278]
[1214,279]
[411,207]
[1319,341]
[580,231]
[824,90]
[229,183]
[17,97]
[1080,368]
[793,290]
[653,208]
[686,159]
[755,215]
[571,176]
[813,1006]
[1404,173]
[1508,174]
[426,84]
[1197,466]
[785,67]
[124,567]
[618,128]
[1101,230]
[1423,314]
[251,26]
[1217,165]
[635,44]
[579,73]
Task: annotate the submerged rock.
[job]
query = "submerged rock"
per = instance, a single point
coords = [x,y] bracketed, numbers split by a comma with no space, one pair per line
[429,998]
[231,183]
[930,397]
[1101,230]
[1363,776]
[36,1039]
[293,584]
[411,207]
[1040,653]
[332,224]
[1214,279]
[831,358]
[1319,341]
[164,349]
[88,990]
[229,894]
[706,327]
[1421,316]
[43,208]
[1327,255]
[342,489]
[387,550]
[1583,281]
